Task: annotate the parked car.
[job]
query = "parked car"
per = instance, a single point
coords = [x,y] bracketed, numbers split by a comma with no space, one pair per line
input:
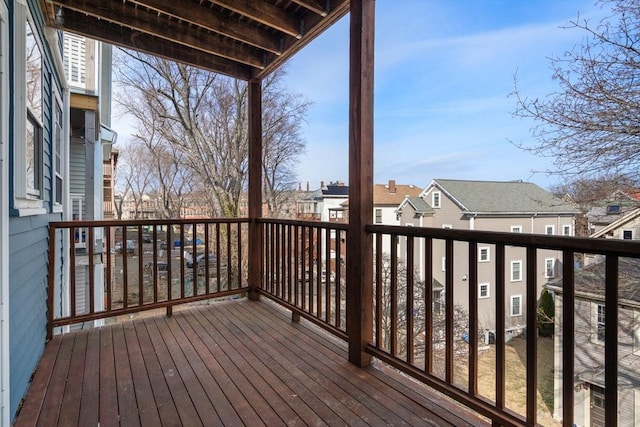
[200,260]
[129,247]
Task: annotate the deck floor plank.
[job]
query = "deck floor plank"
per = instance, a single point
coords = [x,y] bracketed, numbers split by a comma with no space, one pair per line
[70,409]
[147,408]
[32,405]
[127,406]
[58,382]
[227,363]
[162,398]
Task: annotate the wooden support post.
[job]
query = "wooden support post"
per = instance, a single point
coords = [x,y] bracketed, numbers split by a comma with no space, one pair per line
[359,243]
[255,188]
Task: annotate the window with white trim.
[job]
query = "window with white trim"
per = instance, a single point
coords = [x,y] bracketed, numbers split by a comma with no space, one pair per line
[599,323]
[435,199]
[58,147]
[484,254]
[484,290]
[516,229]
[549,268]
[516,305]
[28,154]
[378,216]
[33,140]
[566,230]
[549,230]
[516,271]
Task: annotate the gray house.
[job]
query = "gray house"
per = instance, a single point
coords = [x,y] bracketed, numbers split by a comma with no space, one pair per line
[589,364]
[511,206]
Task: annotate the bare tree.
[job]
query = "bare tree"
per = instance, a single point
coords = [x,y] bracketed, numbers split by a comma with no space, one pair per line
[204,117]
[590,127]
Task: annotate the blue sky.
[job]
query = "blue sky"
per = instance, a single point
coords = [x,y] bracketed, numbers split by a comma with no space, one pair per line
[444,72]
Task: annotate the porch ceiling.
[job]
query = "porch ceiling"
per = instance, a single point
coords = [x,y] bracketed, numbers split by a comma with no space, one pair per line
[244,39]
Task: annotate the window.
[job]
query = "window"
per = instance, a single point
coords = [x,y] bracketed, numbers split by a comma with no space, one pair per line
[516,229]
[627,234]
[484,290]
[549,230]
[435,199]
[33,141]
[516,305]
[484,254]
[613,209]
[549,268]
[516,271]
[599,323]
[444,263]
[378,216]
[566,230]
[28,117]
[57,150]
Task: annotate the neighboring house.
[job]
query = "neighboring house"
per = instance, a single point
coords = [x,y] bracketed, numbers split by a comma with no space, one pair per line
[87,65]
[512,206]
[608,211]
[589,344]
[34,130]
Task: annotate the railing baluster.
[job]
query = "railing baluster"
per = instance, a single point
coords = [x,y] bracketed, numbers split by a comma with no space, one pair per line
[500,326]
[379,291]
[207,251]
[140,268]
[218,259]
[568,338]
[428,305]
[154,273]
[90,266]
[611,342]
[182,249]
[393,295]
[532,336]
[318,272]
[107,254]
[125,269]
[409,300]
[327,274]
[229,258]
[473,319]
[449,306]
[296,261]
[338,286]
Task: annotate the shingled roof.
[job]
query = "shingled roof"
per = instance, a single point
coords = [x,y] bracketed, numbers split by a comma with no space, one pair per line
[503,197]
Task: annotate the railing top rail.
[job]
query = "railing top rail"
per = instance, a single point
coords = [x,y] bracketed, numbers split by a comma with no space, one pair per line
[136,222]
[625,248]
[318,224]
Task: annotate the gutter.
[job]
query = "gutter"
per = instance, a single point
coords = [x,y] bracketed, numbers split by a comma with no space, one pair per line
[5,399]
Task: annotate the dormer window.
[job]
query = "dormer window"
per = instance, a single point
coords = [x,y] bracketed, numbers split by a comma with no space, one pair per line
[613,209]
[435,199]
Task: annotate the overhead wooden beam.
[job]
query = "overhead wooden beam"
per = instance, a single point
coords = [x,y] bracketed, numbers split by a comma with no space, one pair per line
[359,242]
[209,19]
[315,25]
[148,22]
[313,5]
[102,30]
[264,13]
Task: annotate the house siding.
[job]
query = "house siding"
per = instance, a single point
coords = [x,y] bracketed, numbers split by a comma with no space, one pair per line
[589,362]
[28,235]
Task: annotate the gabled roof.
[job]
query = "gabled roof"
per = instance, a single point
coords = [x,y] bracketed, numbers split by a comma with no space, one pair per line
[418,204]
[501,197]
[383,194]
[621,221]
[590,281]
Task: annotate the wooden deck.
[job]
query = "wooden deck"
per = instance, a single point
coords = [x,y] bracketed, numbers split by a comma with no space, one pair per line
[231,363]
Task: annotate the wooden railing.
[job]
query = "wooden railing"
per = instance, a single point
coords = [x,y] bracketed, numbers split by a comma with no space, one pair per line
[412,336]
[440,296]
[304,270]
[103,269]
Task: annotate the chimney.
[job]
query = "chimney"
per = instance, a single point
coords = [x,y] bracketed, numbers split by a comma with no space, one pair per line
[307,186]
[299,186]
[321,184]
[392,186]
